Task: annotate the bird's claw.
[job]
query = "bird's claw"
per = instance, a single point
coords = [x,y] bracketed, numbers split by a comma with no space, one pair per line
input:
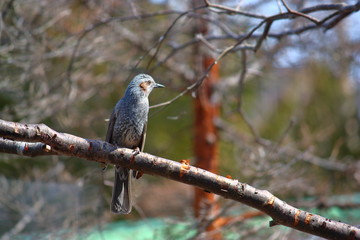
[139,174]
[104,166]
[136,151]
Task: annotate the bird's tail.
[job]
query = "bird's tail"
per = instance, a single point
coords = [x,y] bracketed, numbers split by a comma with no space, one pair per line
[121,195]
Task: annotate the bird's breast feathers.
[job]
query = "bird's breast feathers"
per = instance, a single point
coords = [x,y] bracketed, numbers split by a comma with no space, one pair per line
[131,118]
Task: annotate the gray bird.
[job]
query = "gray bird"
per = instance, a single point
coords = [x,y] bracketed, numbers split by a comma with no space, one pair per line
[127,128]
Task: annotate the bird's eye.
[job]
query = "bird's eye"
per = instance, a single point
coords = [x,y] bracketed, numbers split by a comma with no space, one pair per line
[148,82]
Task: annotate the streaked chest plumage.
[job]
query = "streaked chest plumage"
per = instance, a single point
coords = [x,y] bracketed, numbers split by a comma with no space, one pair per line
[131,118]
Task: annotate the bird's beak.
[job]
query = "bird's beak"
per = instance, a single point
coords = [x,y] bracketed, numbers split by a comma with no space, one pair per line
[158,85]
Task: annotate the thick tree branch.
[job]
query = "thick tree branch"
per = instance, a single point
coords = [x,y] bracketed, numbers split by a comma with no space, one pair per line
[99,151]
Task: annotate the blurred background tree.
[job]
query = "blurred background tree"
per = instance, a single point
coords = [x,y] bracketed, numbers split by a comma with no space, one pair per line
[289,120]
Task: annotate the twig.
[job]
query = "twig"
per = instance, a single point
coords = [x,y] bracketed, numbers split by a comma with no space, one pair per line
[263,35]
[341,8]
[336,20]
[91,28]
[163,37]
[312,19]
[286,132]
[24,148]
[196,84]
[289,152]
[242,77]
[233,11]
[249,125]
[323,7]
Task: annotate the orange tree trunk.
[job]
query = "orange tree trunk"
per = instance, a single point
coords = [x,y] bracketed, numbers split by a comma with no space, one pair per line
[205,133]
[206,142]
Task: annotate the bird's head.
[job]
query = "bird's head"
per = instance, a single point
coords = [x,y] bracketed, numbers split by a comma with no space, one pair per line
[142,85]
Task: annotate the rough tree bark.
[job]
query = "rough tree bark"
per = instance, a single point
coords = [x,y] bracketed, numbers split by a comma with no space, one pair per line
[206,142]
[100,151]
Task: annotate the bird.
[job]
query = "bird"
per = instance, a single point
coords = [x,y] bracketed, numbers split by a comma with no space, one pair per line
[127,128]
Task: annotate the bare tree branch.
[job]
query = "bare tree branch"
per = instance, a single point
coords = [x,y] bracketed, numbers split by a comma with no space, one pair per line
[233,11]
[99,151]
[290,152]
[312,19]
[25,148]
[104,22]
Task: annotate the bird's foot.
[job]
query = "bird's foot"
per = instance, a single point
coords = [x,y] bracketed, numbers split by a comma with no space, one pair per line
[104,166]
[136,151]
[136,174]
[139,174]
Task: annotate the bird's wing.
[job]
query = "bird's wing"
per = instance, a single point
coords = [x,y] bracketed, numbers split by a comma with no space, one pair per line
[143,137]
[110,129]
